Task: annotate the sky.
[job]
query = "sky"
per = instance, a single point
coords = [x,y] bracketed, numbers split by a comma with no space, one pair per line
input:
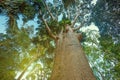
[3,21]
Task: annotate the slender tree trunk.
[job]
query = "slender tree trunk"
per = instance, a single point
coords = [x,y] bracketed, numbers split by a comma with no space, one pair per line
[70,62]
[26,68]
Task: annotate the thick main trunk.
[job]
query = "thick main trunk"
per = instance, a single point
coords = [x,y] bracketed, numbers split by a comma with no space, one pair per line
[70,62]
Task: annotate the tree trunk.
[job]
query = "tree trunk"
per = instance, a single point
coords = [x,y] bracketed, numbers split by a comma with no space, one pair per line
[70,62]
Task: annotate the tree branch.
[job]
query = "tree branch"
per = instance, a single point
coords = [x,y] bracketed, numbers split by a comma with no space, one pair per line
[49,10]
[78,14]
[75,19]
[68,13]
[28,65]
[47,27]
[78,27]
[49,30]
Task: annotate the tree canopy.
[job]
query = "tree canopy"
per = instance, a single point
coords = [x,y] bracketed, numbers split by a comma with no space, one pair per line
[27,51]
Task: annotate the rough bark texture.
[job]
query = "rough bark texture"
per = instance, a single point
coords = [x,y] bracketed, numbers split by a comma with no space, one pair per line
[70,62]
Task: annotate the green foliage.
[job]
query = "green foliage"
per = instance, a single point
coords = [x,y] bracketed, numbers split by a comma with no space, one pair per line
[55,26]
[106,16]
[111,54]
[104,56]
[29,11]
[17,53]
[43,36]
[8,55]
[68,2]
[18,50]
[63,22]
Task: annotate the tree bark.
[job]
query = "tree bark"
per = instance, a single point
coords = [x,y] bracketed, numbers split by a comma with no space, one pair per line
[70,62]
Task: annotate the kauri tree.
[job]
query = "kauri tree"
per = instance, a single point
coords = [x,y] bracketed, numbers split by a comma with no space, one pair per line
[70,62]
[58,37]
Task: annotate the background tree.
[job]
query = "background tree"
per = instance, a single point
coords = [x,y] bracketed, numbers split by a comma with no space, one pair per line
[106,16]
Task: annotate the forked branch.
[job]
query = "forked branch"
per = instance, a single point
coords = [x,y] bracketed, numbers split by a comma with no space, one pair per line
[49,30]
[47,27]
